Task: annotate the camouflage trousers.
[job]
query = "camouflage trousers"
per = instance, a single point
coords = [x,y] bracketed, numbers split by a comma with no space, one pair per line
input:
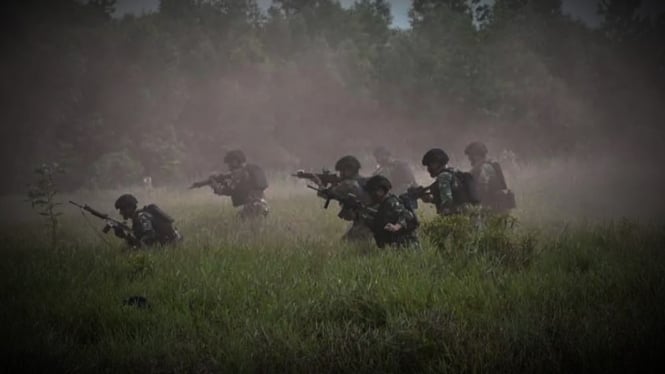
[254,209]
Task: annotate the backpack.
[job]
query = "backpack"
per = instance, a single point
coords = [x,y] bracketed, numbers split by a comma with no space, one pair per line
[500,179]
[257,178]
[464,188]
[504,198]
[161,222]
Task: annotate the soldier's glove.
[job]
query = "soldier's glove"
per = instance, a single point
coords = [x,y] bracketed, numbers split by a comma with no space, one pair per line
[392,227]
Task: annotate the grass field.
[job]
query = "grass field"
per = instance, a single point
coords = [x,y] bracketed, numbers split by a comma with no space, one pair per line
[549,295]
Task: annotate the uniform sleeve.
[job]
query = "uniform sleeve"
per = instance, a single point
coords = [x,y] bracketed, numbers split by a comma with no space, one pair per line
[445,190]
[218,187]
[484,176]
[145,230]
[399,213]
[345,188]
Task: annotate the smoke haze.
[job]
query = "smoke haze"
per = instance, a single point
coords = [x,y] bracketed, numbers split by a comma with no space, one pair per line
[567,108]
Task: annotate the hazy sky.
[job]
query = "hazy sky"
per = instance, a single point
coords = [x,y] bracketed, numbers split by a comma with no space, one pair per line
[582,9]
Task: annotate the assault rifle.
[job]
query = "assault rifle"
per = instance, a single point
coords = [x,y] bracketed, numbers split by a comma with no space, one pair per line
[110,222]
[224,179]
[414,193]
[418,192]
[326,177]
[349,200]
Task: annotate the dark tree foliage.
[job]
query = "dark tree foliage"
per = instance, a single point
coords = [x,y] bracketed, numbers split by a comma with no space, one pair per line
[166,94]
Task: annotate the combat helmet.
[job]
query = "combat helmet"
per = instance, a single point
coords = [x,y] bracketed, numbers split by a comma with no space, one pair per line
[476,148]
[376,182]
[381,152]
[435,155]
[347,162]
[235,155]
[126,200]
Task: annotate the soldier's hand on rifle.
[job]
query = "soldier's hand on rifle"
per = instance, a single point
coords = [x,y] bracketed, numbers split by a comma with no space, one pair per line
[317,180]
[428,198]
[326,194]
[392,227]
[218,189]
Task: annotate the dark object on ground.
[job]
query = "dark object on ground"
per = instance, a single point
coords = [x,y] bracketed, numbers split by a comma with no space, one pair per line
[137,301]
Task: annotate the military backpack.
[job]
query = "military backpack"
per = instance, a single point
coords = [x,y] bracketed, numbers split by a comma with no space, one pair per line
[161,222]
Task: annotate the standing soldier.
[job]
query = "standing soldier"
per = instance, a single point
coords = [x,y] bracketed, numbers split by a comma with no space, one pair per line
[446,193]
[246,187]
[393,224]
[150,224]
[489,180]
[245,184]
[399,173]
[350,184]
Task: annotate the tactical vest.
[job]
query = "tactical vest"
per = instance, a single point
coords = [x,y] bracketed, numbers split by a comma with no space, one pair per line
[249,186]
[162,223]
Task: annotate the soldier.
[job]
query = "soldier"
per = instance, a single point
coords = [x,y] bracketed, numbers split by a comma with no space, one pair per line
[489,180]
[399,173]
[150,225]
[245,184]
[350,183]
[440,193]
[393,224]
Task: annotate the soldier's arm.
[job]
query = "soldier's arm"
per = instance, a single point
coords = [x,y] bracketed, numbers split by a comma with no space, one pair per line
[219,189]
[485,175]
[345,188]
[145,231]
[445,191]
[219,185]
[397,217]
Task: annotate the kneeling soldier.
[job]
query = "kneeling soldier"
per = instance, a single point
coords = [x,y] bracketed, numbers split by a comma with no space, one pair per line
[394,224]
[150,225]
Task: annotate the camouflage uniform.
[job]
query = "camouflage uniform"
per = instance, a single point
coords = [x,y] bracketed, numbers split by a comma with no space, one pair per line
[442,192]
[245,192]
[392,210]
[358,230]
[489,186]
[144,232]
[485,177]
[150,225]
[399,173]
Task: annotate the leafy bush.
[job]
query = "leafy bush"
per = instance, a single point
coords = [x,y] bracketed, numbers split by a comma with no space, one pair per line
[482,233]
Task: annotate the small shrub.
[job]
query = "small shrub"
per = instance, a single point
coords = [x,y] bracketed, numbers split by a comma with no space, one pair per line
[493,235]
[42,196]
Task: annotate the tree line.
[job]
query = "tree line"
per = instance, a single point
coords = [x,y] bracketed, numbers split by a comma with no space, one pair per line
[167,93]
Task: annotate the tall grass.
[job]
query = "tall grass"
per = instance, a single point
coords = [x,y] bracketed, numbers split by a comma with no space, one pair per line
[288,296]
